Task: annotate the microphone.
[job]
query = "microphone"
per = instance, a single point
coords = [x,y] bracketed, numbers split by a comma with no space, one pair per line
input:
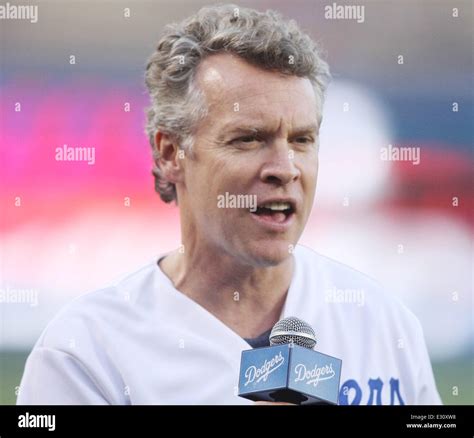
[290,370]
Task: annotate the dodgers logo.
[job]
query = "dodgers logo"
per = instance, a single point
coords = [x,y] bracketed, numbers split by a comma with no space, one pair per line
[313,376]
[256,375]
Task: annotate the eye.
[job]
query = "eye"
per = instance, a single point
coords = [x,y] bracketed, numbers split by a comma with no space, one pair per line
[304,140]
[246,139]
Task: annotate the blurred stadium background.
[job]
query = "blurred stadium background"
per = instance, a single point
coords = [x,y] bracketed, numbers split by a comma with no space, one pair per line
[66,228]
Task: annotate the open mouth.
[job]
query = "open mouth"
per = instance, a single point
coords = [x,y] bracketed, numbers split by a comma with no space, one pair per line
[278,212]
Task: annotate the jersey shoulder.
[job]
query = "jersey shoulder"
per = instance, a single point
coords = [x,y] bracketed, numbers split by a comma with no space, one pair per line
[83,319]
[341,283]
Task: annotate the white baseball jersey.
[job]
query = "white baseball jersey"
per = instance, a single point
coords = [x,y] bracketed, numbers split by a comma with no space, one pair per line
[142,341]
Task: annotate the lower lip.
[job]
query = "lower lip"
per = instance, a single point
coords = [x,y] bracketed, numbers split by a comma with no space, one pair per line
[271,224]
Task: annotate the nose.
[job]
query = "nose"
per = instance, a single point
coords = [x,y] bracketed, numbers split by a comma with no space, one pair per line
[280,167]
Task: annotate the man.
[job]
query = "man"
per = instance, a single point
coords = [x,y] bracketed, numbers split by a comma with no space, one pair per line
[236,108]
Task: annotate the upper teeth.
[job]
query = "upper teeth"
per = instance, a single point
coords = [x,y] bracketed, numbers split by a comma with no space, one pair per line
[278,206]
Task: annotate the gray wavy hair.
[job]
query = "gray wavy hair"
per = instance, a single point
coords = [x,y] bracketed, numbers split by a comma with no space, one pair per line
[263,39]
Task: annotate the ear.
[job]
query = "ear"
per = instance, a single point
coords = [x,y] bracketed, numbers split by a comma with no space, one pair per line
[168,157]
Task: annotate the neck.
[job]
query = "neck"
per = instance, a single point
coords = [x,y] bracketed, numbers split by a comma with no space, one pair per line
[247,299]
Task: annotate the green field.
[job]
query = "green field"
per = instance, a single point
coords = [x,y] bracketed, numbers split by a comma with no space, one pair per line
[459,372]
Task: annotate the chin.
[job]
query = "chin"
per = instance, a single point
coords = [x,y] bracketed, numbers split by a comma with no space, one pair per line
[267,254]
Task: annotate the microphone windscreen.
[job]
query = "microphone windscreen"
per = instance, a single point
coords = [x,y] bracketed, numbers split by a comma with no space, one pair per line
[292,330]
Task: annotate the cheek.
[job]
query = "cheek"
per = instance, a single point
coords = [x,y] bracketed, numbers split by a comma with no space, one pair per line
[201,176]
[227,171]
[309,177]
[210,176]
[309,166]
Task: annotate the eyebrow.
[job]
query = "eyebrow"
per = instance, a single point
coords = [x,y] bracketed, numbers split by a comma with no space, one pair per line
[246,129]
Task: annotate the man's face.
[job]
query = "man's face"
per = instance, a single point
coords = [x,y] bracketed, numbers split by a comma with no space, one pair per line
[259,138]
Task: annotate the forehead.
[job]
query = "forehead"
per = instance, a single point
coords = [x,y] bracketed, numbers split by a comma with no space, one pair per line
[235,89]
